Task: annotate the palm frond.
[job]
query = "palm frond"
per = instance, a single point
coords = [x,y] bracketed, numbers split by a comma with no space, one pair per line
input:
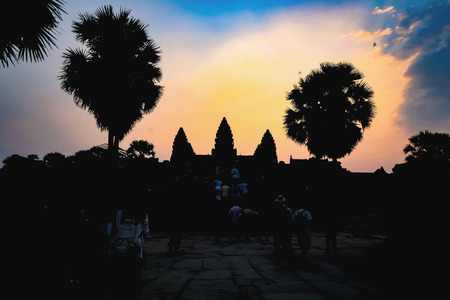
[31,41]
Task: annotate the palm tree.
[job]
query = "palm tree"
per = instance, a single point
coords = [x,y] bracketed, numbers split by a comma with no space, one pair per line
[116,77]
[429,150]
[29,37]
[141,149]
[332,107]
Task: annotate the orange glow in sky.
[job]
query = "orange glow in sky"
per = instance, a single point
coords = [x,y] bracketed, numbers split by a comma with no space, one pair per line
[238,64]
[246,75]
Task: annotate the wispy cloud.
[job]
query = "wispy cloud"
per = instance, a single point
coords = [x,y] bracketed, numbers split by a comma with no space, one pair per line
[379,11]
[365,35]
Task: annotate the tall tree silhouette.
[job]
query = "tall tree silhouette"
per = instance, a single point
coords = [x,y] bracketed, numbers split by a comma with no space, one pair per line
[182,151]
[116,78]
[31,36]
[429,150]
[224,153]
[266,152]
[332,107]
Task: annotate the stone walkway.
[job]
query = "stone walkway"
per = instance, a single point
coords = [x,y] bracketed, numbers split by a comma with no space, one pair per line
[209,270]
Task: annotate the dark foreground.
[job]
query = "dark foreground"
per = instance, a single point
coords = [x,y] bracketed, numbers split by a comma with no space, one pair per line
[367,267]
[248,270]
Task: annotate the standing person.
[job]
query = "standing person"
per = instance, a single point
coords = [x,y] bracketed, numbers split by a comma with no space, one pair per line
[243,192]
[146,227]
[235,213]
[129,237]
[248,222]
[225,192]
[243,188]
[173,212]
[175,233]
[129,252]
[301,223]
[235,194]
[331,221]
[281,218]
[218,188]
[235,173]
[220,209]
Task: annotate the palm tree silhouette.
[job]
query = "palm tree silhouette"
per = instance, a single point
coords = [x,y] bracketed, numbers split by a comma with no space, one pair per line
[116,78]
[29,37]
[429,150]
[141,149]
[332,107]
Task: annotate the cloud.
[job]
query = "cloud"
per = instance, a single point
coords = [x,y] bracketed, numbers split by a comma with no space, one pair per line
[365,35]
[379,11]
[424,35]
[427,95]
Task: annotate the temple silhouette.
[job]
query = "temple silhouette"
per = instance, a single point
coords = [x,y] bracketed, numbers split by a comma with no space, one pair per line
[224,155]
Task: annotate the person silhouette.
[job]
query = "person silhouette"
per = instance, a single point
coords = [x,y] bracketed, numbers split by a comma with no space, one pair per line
[301,223]
[281,217]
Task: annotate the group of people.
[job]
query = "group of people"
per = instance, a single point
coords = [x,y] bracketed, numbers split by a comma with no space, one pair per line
[233,189]
[281,220]
[285,222]
[231,194]
[233,215]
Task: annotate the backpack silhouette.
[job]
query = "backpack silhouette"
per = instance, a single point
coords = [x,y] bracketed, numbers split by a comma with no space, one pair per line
[300,219]
[126,240]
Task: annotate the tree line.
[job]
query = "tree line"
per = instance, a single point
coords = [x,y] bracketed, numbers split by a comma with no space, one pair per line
[182,152]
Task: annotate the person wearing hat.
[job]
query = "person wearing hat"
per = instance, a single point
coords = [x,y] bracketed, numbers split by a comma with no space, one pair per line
[282,216]
[301,222]
[280,199]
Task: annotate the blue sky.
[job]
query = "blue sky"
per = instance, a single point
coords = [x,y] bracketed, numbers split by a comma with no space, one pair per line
[211,8]
[238,59]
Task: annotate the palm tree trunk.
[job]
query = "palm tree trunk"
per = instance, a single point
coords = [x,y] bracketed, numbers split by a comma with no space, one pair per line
[110,141]
[113,146]
[116,147]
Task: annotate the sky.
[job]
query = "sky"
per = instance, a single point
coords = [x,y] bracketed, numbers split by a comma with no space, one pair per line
[239,59]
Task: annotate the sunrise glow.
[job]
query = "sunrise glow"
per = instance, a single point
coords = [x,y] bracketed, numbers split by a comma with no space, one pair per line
[239,61]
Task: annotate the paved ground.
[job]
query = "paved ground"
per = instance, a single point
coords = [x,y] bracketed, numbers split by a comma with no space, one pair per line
[206,269]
